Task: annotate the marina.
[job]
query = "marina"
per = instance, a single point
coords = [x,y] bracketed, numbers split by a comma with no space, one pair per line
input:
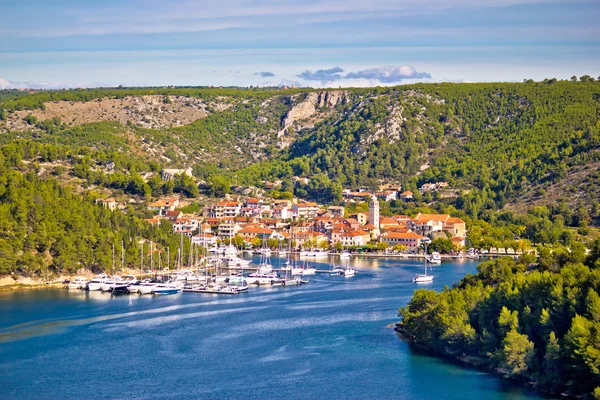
[205,345]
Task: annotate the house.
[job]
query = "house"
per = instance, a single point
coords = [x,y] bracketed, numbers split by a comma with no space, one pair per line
[225,209]
[228,229]
[362,218]
[302,237]
[305,210]
[426,226]
[428,187]
[410,240]
[173,215]
[456,227]
[442,185]
[153,221]
[253,203]
[428,223]
[406,196]
[351,224]
[185,224]
[374,231]
[164,205]
[109,203]
[336,211]
[387,195]
[251,232]
[282,213]
[458,242]
[355,238]
[206,239]
[387,222]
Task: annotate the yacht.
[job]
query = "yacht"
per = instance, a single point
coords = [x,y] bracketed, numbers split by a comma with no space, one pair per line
[147,288]
[262,279]
[166,288]
[435,258]
[336,271]
[344,255]
[96,283]
[309,271]
[78,283]
[294,281]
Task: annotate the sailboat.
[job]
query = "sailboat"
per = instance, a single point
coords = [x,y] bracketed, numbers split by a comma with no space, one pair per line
[423,278]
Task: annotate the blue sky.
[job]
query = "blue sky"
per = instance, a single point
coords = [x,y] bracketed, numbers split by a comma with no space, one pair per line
[70,43]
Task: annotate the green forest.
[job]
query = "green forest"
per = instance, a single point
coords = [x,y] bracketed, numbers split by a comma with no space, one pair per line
[530,320]
[496,144]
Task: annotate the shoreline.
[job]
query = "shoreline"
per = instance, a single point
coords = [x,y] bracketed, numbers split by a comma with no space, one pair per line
[476,363]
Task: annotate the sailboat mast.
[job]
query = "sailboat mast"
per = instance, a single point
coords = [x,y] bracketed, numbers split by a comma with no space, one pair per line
[142,258]
[113,259]
[122,256]
[151,256]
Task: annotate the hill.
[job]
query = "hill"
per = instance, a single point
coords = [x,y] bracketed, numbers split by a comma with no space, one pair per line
[512,145]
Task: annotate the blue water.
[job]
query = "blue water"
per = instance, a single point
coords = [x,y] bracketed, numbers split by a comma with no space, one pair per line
[326,339]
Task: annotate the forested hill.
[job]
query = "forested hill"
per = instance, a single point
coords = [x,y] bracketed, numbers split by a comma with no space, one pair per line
[536,323]
[509,144]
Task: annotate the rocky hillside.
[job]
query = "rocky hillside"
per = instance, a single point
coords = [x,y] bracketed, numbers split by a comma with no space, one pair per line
[514,143]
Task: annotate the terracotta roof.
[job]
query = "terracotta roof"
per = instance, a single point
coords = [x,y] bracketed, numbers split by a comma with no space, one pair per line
[407,193]
[431,217]
[404,235]
[355,233]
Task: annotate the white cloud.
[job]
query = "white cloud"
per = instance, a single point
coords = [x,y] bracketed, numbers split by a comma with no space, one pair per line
[389,74]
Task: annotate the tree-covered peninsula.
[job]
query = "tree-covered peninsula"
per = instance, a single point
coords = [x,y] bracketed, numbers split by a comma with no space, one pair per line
[532,321]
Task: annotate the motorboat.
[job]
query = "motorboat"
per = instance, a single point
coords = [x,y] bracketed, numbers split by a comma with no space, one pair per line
[309,271]
[349,272]
[336,271]
[294,281]
[96,283]
[147,288]
[344,255]
[434,258]
[166,288]
[79,283]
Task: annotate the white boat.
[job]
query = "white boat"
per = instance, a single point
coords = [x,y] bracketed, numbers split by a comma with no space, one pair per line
[96,283]
[166,288]
[349,272]
[78,283]
[146,288]
[296,271]
[265,268]
[423,278]
[261,279]
[235,262]
[336,271]
[294,281]
[309,271]
[344,256]
[435,258]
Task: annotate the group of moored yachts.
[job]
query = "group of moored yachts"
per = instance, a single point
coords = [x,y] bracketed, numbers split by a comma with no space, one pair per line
[233,283]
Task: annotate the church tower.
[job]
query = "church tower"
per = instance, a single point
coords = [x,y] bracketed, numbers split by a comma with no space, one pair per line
[374,212]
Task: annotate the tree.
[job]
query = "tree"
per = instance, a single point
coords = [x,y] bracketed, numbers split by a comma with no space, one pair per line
[441,245]
[516,353]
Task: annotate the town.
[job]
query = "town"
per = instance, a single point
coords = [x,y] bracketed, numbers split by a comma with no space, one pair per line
[252,222]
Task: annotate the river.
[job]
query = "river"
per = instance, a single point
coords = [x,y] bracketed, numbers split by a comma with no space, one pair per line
[328,339]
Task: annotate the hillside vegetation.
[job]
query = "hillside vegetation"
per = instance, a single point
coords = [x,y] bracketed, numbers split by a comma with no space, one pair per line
[501,146]
[537,323]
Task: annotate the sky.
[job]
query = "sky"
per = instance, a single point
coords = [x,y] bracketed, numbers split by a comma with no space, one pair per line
[327,43]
